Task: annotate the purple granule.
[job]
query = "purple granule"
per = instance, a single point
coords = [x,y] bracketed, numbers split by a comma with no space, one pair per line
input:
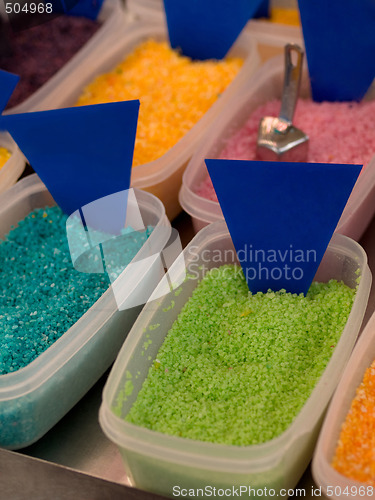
[37,53]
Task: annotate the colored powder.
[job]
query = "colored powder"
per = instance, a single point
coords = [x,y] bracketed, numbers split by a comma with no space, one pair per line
[37,53]
[355,453]
[339,132]
[4,156]
[174,91]
[236,368]
[41,294]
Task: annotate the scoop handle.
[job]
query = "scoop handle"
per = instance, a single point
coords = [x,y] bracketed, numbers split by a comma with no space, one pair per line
[292,80]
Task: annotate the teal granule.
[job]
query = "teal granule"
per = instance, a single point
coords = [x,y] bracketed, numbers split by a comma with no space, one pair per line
[41,294]
[236,368]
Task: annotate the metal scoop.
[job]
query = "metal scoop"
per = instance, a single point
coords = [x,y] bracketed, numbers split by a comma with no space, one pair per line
[278,139]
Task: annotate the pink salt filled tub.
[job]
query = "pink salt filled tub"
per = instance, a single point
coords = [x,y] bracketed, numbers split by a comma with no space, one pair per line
[339,133]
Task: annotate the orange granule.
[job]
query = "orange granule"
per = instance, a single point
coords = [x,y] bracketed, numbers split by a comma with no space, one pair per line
[174,91]
[355,453]
[285,16]
[4,156]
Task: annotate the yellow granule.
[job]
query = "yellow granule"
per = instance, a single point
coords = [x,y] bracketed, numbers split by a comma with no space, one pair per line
[285,16]
[4,156]
[174,91]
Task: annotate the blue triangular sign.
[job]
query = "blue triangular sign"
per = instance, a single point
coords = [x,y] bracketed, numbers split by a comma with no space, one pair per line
[281,216]
[84,8]
[8,82]
[339,39]
[83,153]
[207,29]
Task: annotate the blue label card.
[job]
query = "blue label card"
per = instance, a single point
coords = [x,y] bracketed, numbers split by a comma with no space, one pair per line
[263,10]
[86,8]
[339,39]
[8,82]
[83,153]
[208,29]
[281,216]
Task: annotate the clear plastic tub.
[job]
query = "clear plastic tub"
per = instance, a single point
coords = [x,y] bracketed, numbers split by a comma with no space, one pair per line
[266,85]
[14,167]
[34,398]
[112,18]
[332,482]
[156,462]
[163,176]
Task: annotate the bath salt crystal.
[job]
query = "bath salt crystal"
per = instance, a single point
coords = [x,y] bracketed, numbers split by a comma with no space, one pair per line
[37,53]
[354,456]
[41,293]
[339,132]
[174,91]
[236,368]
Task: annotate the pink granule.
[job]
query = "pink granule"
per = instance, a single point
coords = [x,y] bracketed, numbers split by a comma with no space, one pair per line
[339,132]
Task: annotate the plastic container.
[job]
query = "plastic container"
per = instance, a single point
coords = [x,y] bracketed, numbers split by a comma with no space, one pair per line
[14,167]
[162,176]
[157,462]
[111,18]
[266,85]
[34,398]
[332,482]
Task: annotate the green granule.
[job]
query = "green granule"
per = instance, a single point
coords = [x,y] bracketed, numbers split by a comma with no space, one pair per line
[236,368]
